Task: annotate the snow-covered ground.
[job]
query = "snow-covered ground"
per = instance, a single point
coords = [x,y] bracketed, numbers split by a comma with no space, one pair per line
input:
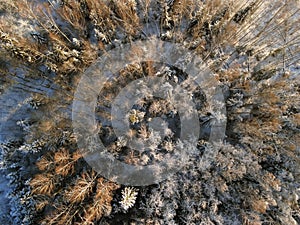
[14,107]
[4,191]
[11,104]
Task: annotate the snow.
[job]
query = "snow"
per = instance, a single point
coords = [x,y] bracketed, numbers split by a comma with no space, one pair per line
[10,101]
[4,191]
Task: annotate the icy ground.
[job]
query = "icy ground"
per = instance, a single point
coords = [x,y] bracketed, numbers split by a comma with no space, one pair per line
[9,101]
[4,191]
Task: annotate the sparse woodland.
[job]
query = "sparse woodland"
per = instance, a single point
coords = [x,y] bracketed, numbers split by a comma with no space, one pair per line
[253,49]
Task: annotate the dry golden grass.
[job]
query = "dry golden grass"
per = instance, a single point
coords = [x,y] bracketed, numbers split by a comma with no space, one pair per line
[82,188]
[45,163]
[252,219]
[64,215]
[100,16]
[101,203]
[62,156]
[41,202]
[98,205]
[65,162]
[262,34]
[126,14]
[73,14]
[21,48]
[43,184]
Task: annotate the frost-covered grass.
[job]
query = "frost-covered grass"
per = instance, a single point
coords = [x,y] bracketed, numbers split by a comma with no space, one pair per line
[252,48]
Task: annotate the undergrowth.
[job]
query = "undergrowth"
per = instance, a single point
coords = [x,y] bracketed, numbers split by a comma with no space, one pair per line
[252,47]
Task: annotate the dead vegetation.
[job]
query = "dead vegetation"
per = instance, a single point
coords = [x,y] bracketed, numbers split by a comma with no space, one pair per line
[252,46]
[83,201]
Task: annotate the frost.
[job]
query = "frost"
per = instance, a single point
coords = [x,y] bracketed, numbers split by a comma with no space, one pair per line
[129,196]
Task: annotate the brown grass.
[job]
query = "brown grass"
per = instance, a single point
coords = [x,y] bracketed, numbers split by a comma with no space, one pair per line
[101,204]
[126,14]
[82,188]
[219,31]
[43,184]
[65,162]
[45,163]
